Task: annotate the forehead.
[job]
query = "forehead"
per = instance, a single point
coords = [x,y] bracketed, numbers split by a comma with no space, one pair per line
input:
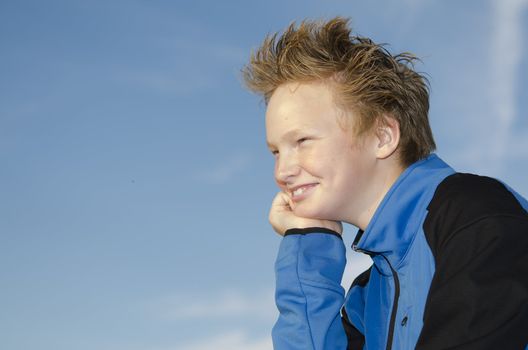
[293,98]
[297,107]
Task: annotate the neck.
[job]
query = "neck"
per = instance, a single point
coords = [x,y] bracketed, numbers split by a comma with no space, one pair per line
[387,173]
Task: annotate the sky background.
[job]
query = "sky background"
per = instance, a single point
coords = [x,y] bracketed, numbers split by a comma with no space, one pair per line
[135,181]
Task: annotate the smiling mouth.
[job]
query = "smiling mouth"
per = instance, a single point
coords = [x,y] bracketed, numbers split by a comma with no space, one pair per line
[302,192]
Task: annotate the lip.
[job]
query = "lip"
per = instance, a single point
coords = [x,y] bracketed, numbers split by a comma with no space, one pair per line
[306,192]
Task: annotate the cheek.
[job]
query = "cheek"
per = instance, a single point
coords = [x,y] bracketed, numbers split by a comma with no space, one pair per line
[315,163]
[344,179]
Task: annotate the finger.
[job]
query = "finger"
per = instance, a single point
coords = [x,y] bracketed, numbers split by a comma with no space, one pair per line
[282,201]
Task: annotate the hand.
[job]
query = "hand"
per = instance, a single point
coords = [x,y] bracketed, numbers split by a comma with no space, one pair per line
[282,218]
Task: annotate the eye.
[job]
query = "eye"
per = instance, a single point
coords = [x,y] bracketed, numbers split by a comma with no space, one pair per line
[302,139]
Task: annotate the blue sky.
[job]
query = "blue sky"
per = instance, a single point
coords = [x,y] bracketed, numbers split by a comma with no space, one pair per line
[135,180]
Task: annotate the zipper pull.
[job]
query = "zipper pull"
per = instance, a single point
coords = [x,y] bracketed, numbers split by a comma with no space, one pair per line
[359,250]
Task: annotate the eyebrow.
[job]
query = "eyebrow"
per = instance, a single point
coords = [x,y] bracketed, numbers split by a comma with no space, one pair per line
[286,135]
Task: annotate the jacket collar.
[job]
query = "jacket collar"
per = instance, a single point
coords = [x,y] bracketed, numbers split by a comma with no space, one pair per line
[402,210]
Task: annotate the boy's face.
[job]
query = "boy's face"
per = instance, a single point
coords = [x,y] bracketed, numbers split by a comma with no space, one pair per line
[333,168]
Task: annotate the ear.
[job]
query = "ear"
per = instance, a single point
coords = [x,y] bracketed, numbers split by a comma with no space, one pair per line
[388,136]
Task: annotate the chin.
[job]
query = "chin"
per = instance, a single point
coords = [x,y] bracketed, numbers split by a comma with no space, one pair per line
[312,212]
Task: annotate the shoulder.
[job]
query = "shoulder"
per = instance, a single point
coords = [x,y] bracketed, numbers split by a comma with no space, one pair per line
[462,201]
[478,235]
[474,196]
[463,198]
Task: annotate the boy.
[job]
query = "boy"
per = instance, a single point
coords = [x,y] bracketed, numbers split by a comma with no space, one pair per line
[348,125]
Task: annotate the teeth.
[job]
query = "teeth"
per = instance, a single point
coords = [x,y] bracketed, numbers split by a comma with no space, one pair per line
[298,191]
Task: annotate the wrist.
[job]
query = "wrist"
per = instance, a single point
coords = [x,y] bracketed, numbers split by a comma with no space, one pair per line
[308,230]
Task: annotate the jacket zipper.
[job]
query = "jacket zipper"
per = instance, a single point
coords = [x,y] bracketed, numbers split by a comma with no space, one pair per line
[394,304]
[390,336]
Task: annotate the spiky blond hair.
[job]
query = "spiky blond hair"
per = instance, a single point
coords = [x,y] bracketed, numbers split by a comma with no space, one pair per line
[366,78]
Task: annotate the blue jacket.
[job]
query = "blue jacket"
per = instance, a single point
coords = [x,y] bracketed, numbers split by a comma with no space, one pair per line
[450,271]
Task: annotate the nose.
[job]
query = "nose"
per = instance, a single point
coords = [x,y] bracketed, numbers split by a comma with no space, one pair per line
[286,168]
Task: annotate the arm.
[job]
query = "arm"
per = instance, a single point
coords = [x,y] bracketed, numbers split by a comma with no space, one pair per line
[479,294]
[309,268]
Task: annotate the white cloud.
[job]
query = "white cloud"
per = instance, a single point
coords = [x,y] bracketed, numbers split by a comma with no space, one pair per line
[234,304]
[230,305]
[506,51]
[225,171]
[235,340]
[225,304]
[490,154]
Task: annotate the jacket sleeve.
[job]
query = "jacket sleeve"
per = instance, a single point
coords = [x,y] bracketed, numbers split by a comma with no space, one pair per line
[478,297]
[308,269]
